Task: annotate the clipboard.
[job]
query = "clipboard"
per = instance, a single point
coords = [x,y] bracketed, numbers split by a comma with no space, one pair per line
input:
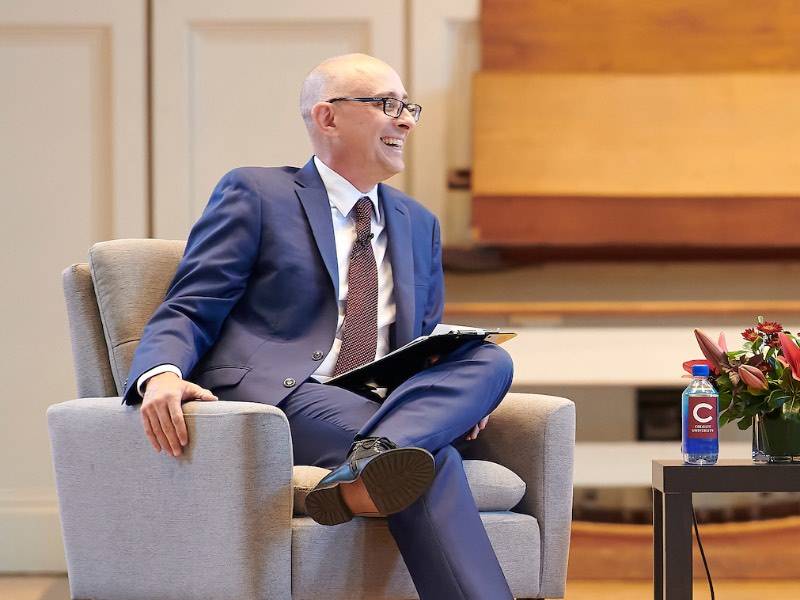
[393,369]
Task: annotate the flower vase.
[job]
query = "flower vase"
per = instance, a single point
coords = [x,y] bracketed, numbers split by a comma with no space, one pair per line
[775,440]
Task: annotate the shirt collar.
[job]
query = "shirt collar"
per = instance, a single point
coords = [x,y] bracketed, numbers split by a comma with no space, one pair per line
[341,193]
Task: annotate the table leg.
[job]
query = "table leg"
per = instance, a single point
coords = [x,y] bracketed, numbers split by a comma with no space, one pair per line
[658,545]
[676,561]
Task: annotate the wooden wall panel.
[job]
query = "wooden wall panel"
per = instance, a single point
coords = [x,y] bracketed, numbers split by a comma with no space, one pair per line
[639,222]
[637,36]
[637,135]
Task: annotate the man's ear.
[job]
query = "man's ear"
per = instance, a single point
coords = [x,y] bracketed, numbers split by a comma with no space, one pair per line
[323,116]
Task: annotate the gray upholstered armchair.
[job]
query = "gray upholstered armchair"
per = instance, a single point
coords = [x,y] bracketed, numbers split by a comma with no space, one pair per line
[226,519]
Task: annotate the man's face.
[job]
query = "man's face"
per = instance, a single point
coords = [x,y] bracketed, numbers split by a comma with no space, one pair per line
[370,142]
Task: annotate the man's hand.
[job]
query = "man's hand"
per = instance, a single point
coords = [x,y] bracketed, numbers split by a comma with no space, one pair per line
[162,415]
[477,429]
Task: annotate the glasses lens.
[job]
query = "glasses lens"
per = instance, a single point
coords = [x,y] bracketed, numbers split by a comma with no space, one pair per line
[415,110]
[392,107]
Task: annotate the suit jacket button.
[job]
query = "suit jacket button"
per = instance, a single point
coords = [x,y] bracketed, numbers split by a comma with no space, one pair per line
[289,382]
[317,355]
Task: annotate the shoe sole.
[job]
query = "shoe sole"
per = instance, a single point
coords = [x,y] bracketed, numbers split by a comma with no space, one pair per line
[397,478]
[394,480]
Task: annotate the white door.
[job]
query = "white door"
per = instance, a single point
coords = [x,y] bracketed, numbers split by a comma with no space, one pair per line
[73,171]
[226,84]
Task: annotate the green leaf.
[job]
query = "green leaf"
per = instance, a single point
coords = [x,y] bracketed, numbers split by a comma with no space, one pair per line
[724,382]
[752,410]
[725,418]
[777,398]
[757,343]
[745,423]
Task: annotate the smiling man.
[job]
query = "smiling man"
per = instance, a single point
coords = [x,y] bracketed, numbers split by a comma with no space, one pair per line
[292,276]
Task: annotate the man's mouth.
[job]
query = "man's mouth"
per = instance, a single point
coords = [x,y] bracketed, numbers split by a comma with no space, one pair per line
[393,142]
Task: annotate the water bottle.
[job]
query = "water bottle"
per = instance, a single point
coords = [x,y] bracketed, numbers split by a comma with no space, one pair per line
[700,419]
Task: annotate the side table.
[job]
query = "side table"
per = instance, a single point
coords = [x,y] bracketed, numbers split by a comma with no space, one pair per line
[673,485]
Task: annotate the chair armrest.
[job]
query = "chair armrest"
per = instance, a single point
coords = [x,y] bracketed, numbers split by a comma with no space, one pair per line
[534,436]
[213,523]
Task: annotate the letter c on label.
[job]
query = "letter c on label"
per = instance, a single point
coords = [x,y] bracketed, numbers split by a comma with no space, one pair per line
[697,416]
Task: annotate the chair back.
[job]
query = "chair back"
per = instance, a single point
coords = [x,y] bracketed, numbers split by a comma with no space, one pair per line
[109,301]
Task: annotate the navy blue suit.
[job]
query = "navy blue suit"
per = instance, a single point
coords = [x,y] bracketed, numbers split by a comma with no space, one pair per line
[252,311]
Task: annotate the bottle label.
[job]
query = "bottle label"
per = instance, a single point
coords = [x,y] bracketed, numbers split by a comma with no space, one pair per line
[701,422]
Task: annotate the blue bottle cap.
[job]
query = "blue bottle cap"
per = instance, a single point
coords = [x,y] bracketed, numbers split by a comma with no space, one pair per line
[700,371]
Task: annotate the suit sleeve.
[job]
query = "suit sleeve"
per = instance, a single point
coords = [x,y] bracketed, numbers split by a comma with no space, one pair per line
[212,275]
[435,304]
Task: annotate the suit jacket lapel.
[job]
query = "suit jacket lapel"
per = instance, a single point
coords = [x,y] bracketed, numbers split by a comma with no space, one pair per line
[314,199]
[398,227]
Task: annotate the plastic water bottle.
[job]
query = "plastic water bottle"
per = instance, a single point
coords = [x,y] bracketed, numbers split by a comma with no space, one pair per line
[700,419]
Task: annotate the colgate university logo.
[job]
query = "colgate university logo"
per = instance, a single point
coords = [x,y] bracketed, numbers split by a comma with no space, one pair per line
[702,418]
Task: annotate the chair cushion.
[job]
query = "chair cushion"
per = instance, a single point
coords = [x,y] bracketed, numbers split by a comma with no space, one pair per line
[360,560]
[493,486]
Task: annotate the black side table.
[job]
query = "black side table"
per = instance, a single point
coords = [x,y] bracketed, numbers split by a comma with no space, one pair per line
[673,486]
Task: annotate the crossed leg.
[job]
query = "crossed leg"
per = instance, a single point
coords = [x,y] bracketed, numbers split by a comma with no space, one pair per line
[440,536]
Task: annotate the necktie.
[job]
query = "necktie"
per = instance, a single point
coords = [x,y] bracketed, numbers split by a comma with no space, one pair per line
[360,328]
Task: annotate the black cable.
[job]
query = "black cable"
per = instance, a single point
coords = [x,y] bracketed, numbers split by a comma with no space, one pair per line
[702,554]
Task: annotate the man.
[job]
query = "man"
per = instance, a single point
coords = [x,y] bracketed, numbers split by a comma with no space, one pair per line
[291,276]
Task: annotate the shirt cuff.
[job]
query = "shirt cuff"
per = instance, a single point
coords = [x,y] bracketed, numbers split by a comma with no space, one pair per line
[152,373]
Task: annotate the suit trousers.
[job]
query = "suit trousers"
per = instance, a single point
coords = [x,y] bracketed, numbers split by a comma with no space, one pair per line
[441,537]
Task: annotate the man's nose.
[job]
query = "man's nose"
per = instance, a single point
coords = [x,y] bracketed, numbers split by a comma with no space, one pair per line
[405,120]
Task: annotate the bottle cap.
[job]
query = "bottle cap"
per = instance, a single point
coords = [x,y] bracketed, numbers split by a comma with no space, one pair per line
[700,370]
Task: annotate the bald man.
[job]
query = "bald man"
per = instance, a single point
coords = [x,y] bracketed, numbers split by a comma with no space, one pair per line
[292,276]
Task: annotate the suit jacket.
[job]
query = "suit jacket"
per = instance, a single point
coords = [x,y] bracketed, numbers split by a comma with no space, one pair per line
[252,309]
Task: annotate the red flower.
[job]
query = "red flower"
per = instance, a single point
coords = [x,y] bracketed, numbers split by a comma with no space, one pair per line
[769,327]
[750,334]
[687,366]
[791,354]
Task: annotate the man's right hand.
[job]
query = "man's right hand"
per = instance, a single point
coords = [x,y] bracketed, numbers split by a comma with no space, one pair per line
[162,414]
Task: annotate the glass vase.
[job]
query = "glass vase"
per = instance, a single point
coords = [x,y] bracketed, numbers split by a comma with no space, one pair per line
[775,440]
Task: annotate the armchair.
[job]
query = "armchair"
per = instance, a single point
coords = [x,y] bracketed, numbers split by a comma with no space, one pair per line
[225,520]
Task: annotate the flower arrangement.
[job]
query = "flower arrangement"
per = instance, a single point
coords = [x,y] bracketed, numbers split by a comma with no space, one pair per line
[763,378]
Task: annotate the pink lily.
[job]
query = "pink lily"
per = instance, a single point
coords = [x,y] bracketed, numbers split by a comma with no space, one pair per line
[791,354]
[722,343]
[753,377]
[710,350]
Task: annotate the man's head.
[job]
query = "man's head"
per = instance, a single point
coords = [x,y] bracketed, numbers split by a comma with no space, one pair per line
[356,139]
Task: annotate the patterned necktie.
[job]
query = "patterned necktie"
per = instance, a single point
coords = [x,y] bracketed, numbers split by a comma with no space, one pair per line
[360,337]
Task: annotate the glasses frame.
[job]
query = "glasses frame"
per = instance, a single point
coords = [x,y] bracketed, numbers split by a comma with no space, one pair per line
[385,100]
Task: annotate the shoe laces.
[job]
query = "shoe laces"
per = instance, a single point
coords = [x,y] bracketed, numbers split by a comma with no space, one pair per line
[380,444]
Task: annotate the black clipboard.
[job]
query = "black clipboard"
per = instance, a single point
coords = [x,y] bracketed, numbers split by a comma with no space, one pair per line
[393,369]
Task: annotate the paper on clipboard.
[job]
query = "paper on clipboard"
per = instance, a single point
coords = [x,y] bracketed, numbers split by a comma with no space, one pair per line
[397,366]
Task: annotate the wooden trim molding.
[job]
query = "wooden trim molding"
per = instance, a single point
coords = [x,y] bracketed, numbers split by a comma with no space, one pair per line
[587,221]
[651,308]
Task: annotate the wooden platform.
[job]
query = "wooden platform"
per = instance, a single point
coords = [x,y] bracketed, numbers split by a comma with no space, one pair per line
[734,550]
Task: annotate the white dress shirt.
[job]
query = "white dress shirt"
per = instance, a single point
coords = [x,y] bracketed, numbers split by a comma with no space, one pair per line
[342,197]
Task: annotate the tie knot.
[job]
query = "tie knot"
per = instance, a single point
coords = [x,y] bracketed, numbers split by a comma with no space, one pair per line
[363,209]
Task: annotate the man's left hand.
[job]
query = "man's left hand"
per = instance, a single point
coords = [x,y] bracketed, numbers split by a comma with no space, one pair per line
[477,429]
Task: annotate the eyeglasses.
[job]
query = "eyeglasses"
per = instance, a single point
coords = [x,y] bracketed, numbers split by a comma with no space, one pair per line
[392,107]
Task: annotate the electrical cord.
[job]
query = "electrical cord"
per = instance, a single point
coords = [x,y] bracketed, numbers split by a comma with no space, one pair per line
[702,553]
